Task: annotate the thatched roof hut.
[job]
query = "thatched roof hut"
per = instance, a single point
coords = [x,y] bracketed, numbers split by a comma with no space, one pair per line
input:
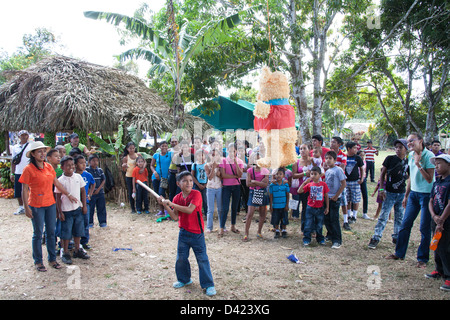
[61,93]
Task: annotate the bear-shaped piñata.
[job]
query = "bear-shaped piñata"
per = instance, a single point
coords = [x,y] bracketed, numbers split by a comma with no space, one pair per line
[275,120]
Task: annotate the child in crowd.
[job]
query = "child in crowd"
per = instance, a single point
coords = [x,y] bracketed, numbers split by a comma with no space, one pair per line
[199,176]
[97,199]
[140,172]
[279,203]
[379,199]
[355,176]
[336,181]
[213,187]
[440,210]
[363,186]
[54,158]
[186,207]
[317,158]
[318,204]
[61,150]
[70,213]
[80,168]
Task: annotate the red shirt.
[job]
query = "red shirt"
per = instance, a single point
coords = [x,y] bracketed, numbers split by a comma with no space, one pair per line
[140,176]
[324,152]
[190,222]
[317,192]
[40,182]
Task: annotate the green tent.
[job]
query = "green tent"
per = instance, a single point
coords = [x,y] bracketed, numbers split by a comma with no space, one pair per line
[231,115]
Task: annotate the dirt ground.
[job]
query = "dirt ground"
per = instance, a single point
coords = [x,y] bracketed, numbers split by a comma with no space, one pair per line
[254,270]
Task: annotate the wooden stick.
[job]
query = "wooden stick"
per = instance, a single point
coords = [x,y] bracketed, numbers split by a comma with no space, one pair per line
[143,185]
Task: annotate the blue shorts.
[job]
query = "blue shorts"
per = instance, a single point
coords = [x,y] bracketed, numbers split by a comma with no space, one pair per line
[266,199]
[279,217]
[73,224]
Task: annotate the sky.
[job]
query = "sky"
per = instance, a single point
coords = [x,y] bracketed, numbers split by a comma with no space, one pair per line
[90,40]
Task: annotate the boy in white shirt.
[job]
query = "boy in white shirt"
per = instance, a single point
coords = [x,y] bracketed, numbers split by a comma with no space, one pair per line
[70,214]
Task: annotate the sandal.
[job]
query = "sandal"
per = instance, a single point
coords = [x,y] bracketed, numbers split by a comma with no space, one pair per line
[234,230]
[41,268]
[245,239]
[220,235]
[259,236]
[55,265]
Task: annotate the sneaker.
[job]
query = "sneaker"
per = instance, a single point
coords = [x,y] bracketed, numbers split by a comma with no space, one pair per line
[211,291]
[19,210]
[160,213]
[433,275]
[139,212]
[147,212]
[306,243]
[81,254]
[365,216]
[86,246]
[394,240]
[277,234]
[346,226]
[322,242]
[284,234]
[373,243]
[446,286]
[179,284]
[103,225]
[336,245]
[66,258]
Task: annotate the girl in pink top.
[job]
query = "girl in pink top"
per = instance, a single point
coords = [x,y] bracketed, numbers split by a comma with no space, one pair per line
[257,178]
[231,171]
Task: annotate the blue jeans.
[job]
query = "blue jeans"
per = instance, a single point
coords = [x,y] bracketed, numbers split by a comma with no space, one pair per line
[41,216]
[417,201]
[391,200]
[213,195]
[186,241]
[85,238]
[314,222]
[97,201]
[233,192]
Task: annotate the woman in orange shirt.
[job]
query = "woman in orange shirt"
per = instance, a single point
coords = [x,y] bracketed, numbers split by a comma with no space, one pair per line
[37,180]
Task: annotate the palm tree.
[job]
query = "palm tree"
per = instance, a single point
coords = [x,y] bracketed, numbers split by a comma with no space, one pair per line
[171,54]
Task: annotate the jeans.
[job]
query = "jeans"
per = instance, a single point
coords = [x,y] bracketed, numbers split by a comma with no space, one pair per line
[141,197]
[370,169]
[97,201]
[213,195]
[391,200]
[314,222]
[233,192]
[331,221]
[41,216]
[186,241]
[85,238]
[204,200]
[129,181]
[417,201]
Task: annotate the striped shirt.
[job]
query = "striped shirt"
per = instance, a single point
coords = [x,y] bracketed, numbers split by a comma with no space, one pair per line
[370,154]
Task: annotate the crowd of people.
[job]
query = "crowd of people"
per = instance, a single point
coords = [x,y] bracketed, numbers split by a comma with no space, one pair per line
[321,184]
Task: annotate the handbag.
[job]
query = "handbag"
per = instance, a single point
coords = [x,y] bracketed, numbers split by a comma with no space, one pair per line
[164,182]
[258,194]
[18,157]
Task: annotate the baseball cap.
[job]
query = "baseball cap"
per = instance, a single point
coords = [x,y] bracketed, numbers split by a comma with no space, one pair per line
[21,132]
[445,157]
[403,142]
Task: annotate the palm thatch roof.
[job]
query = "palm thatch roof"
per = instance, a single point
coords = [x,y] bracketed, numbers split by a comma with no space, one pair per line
[61,93]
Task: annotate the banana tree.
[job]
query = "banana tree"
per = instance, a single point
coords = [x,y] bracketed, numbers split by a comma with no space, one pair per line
[163,55]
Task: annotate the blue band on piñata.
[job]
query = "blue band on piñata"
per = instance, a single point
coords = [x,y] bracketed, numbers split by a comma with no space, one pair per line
[278,102]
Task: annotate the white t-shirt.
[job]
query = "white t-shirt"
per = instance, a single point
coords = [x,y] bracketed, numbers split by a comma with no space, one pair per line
[73,185]
[24,161]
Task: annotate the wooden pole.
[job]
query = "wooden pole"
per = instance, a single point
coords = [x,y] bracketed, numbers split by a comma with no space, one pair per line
[143,185]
